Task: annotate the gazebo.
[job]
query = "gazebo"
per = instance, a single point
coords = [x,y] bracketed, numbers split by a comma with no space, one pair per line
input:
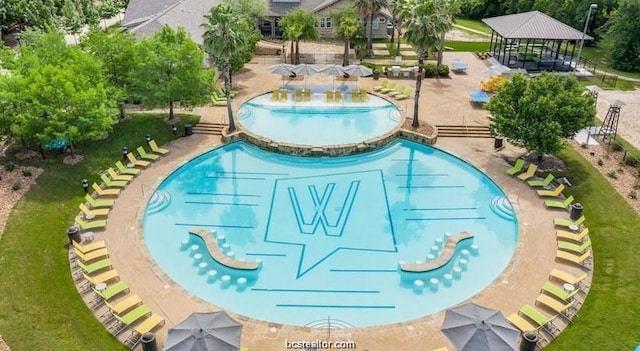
[533,41]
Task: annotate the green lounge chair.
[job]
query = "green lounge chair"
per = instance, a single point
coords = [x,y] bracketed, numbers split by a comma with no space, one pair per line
[134,161]
[143,153]
[90,225]
[390,88]
[567,256]
[129,318]
[382,85]
[517,167]
[531,171]
[105,192]
[113,183]
[126,170]
[405,95]
[94,267]
[559,204]
[558,292]
[116,176]
[112,290]
[571,247]
[400,91]
[551,193]
[155,148]
[538,317]
[562,222]
[98,203]
[542,183]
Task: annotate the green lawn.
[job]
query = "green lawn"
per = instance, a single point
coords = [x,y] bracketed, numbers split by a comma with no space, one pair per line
[600,55]
[473,24]
[39,306]
[467,46]
[609,316]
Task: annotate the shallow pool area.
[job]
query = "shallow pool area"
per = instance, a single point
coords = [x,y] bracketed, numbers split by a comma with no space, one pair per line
[330,232]
[318,122]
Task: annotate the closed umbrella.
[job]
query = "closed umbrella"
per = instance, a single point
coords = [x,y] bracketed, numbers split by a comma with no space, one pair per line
[333,71]
[475,328]
[214,331]
[358,71]
[305,70]
[283,69]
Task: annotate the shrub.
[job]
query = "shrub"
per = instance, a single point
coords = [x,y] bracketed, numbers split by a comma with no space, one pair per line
[631,161]
[636,184]
[429,70]
[443,70]
[26,173]
[600,162]
[616,147]
[16,186]
[9,167]
[633,194]
[612,174]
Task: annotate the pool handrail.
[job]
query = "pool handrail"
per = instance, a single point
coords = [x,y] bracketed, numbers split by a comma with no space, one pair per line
[443,259]
[219,256]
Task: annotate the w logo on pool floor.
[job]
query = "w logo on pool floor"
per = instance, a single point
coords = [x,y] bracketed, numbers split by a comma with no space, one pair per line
[312,217]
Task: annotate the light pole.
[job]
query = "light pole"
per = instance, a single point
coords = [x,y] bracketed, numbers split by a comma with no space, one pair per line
[584,32]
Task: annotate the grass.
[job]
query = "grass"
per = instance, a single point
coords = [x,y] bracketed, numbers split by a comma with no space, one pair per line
[467,46]
[608,82]
[39,305]
[600,55]
[474,24]
[608,317]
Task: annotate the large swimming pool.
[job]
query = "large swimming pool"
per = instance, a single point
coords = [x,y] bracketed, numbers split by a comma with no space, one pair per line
[317,122]
[330,232]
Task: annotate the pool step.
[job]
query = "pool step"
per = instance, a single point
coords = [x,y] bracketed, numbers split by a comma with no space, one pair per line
[459,131]
[209,128]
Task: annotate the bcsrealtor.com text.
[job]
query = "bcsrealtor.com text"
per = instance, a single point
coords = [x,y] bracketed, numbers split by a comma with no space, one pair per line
[320,345]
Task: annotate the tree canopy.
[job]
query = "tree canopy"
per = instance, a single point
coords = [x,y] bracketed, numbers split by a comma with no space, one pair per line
[346,28]
[625,35]
[299,24]
[539,114]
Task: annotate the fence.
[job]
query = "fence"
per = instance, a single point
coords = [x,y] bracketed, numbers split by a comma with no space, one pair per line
[320,58]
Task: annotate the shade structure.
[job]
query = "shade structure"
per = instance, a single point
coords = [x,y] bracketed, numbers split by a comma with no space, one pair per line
[305,70]
[358,71]
[333,71]
[475,328]
[214,331]
[283,69]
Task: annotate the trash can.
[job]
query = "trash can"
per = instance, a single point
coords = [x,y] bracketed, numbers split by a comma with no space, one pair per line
[497,142]
[529,341]
[74,234]
[576,211]
[188,129]
[148,341]
[376,74]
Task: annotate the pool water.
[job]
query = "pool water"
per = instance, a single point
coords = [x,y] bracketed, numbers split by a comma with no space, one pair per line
[318,123]
[330,232]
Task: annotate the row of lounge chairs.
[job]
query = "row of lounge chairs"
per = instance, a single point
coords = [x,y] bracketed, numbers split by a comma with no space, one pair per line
[219,97]
[94,265]
[389,88]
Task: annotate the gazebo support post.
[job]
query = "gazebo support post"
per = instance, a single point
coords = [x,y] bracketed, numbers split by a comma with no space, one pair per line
[526,49]
[491,42]
[572,52]
[504,50]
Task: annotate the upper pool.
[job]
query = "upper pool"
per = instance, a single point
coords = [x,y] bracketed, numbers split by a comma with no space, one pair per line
[317,122]
[330,232]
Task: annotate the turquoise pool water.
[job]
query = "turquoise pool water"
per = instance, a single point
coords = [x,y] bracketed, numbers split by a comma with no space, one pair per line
[316,122]
[330,231]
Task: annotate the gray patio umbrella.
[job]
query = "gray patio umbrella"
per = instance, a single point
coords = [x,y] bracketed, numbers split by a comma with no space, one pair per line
[283,69]
[333,71]
[358,71]
[305,70]
[475,328]
[214,331]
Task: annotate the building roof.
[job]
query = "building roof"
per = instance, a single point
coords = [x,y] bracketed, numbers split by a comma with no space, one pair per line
[533,25]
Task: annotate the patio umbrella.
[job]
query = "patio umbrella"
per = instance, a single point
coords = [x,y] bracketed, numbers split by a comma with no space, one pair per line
[333,71]
[305,70]
[472,327]
[283,69]
[358,71]
[214,331]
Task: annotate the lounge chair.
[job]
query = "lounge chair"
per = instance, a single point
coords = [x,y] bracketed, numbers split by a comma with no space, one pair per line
[155,148]
[116,176]
[571,236]
[559,204]
[382,85]
[112,290]
[283,95]
[538,317]
[330,96]
[112,183]
[542,183]
[531,171]
[551,193]
[338,97]
[105,192]
[306,95]
[364,95]
[102,277]
[553,304]
[146,326]
[562,222]
[138,163]
[147,156]
[400,91]
[564,255]
[355,96]
[90,256]
[521,323]
[98,212]
[576,248]
[98,203]
[405,95]
[89,247]
[558,292]
[298,95]
[129,318]
[568,278]
[517,167]
[390,87]
[124,305]
[90,225]
[275,95]
[126,170]
[94,267]
[441,349]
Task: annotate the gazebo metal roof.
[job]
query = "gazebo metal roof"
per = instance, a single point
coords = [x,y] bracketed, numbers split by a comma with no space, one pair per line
[533,25]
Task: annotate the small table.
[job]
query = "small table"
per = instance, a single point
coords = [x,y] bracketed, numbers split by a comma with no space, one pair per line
[573,228]
[101,287]
[569,287]
[88,236]
[89,216]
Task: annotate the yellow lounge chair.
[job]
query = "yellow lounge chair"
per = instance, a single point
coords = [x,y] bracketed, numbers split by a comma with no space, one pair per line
[400,91]
[382,85]
[145,155]
[124,305]
[405,95]
[554,304]
[283,95]
[97,212]
[338,97]
[90,247]
[355,96]
[102,277]
[531,171]
[331,96]
[567,256]
[146,326]
[105,192]
[275,95]
[137,163]
[364,95]
[390,88]
[116,176]
[90,256]
[306,94]
[521,323]
[571,236]
[158,150]
[551,193]
[298,95]
[567,278]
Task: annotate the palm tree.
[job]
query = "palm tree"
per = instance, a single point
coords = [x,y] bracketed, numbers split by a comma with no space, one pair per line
[443,23]
[398,10]
[363,7]
[224,35]
[421,32]
[369,8]
[299,24]
[346,28]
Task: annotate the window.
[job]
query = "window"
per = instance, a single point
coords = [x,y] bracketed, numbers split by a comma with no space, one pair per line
[324,22]
[377,21]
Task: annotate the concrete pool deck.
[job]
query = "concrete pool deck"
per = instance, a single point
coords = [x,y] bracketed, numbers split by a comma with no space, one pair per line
[442,102]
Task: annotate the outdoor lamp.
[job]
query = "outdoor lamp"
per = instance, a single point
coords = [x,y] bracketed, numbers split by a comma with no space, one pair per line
[85,186]
[125,151]
[584,32]
[148,138]
[174,129]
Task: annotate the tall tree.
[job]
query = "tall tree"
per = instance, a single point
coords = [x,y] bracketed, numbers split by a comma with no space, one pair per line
[299,24]
[228,36]
[369,9]
[72,20]
[421,31]
[443,18]
[625,34]
[399,12]
[107,9]
[169,70]
[346,28]
[539,114]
